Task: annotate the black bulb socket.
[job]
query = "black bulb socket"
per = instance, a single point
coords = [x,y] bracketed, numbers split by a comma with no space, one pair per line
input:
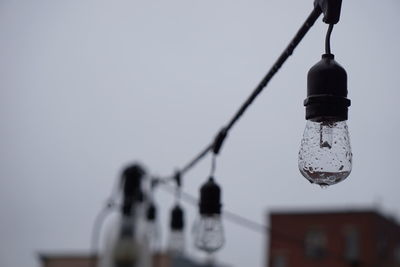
[327,91]
[151,213]
[177,221]
[210,198]
[132,180]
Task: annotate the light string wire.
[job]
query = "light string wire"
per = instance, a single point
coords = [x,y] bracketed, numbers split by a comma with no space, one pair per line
[222,134]
[216,145]
[328,39]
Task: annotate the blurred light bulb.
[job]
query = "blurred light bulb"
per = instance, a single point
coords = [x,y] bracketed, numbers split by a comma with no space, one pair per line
[176,241]
[121,247]
[125,252]
[125,243]
[325,156]
[153,234]
[208,230]
[209,233]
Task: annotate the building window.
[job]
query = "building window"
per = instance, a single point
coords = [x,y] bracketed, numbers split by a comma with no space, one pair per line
[352,245]
[315,244]
[279,260]
[396,254]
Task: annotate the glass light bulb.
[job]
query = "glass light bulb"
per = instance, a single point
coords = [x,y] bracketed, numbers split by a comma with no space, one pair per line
[125,252]
[126,245]
[209,233]
[153,236]
[176,242]
[325,156]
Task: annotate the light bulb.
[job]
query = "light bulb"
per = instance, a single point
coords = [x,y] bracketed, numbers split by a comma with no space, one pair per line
[325,156]
[125,251]
[153,236]
[152,228]
[208,230]
[176,241]
[126,244]
[122,247]
[209,233]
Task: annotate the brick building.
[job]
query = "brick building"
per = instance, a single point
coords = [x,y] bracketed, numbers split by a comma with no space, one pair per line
[333,239]
[67,260]
[84,260]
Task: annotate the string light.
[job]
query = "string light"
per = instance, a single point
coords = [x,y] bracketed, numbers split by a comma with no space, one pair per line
[176,241]
[153,230]
[325,156]
[326,112]
[126,242]
[208,230]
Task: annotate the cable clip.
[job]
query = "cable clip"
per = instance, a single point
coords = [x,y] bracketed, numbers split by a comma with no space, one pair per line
[219,140]
[330,9]
[178,179]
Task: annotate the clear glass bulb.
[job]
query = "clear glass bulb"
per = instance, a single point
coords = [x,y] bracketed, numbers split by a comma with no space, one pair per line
[325,156]
[125,245]
[125,251]
[121,247]
[153,236]
[209,233]
[176,242]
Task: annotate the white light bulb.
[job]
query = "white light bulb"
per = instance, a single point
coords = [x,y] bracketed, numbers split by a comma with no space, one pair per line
[176,242]
[153,236]
[209,233]
[325,156]
[126,245]
[125,252]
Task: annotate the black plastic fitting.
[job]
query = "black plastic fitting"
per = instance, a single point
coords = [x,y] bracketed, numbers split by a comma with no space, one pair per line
[327,91]
[178,179]
[177,220]
[131,180]
[151,213]
[331,10]
[210,198]
[219,140]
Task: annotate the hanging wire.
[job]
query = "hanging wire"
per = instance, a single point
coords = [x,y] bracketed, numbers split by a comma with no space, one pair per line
[328,39]
[219,139]
[178,187]
[213,165]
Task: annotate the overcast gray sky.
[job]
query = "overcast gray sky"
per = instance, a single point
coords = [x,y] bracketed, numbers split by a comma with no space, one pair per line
[88,86]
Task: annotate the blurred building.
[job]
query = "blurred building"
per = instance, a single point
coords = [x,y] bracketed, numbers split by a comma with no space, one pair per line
[333,239]
[67,260]
[84,260]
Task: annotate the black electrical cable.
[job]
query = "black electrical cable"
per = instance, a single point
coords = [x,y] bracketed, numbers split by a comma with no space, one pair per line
[195,160]
[264,82]
[328,39]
